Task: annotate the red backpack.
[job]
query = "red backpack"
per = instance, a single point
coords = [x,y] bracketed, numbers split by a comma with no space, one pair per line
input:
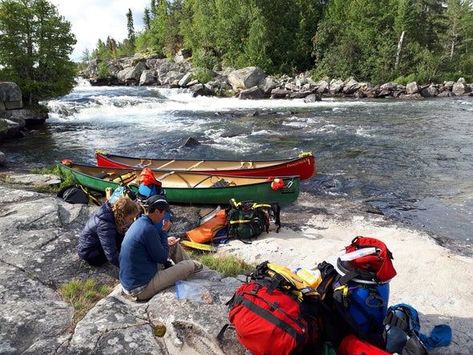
[351,345]
[270,316]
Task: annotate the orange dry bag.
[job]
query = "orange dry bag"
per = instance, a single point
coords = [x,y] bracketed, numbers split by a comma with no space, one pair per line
[206,231]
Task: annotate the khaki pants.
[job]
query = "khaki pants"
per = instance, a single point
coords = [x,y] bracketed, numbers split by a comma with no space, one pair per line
[183,268]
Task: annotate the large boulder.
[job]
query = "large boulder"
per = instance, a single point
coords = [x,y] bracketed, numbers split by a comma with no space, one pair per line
[148,77]
[461,87]
[412,88]
[27,117]
[3,159]
[336,85]
[246,78]
[350,86]
[430,91]
[279,93]
[268,84]
[9,129]
[252,93]
[322,86]
[131,75]
[10,96]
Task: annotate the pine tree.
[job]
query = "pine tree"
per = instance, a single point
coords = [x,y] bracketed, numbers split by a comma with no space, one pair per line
[147,19]
[34,49]
[131,31]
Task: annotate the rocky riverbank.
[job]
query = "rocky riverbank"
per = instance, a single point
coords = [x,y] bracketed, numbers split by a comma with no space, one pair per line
[39,236]
[253,83]
[14,118]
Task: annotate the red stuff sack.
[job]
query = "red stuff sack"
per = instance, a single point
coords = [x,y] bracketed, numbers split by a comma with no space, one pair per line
[351,345]
[268,321]
[147,178]
[379,264]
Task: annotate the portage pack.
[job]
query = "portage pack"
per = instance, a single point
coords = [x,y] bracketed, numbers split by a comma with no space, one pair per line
[276,312]
[249,219]
[77,194]
[361,291]
[209,228]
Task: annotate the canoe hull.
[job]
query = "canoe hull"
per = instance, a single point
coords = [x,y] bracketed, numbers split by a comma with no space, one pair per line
[303,167]
[261,191]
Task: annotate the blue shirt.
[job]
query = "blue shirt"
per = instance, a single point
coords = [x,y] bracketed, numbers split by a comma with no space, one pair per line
[142,249]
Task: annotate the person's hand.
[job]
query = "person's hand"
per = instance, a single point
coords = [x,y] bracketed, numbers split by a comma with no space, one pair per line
[166,225]
[173,240]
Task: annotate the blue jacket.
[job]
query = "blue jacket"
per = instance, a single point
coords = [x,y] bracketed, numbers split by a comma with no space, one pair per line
[142,249]
[100,236]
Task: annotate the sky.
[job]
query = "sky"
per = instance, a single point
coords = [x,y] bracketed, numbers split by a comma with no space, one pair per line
[94,19]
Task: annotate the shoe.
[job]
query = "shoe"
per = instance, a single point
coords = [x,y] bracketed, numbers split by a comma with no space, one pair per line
[198,266]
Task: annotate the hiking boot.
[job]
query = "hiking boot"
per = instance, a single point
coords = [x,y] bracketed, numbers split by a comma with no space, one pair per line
[198,266]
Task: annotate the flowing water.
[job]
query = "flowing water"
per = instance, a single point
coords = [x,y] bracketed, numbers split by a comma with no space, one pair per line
[409,160]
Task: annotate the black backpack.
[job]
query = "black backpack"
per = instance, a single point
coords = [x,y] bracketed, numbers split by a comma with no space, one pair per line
[77,194]
[248,219]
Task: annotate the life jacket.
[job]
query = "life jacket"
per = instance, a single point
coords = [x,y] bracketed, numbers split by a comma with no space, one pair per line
[276,312]
[249,219]
[207,231]
[361,291]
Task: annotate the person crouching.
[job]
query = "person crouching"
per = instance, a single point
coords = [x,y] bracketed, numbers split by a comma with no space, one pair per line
[144,247]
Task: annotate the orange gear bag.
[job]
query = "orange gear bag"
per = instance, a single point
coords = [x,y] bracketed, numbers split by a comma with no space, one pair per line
[206,231]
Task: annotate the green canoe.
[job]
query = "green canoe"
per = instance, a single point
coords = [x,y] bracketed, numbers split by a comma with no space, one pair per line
[194,188]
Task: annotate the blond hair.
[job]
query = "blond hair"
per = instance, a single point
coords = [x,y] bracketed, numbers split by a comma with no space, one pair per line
[123,208]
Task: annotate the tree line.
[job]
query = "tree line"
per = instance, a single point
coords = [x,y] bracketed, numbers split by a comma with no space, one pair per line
[376,41]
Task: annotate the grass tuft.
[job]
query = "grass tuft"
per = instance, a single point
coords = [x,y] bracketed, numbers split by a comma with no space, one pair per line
[66,179]
[83,295]
[228,265]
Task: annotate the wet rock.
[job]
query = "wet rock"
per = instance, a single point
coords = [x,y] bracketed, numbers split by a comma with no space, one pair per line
[186,79]
[388,87]
[246,78]
[3,159]
[10,96]
[148,77]
[28,117]
[268,84]
[279,93]
[299,94]
[415,96]
[445,94]
[191,142]
[350,86]
[200,90]
[253,93]
[322,86]
[430,91]
[131,75]
[9,129]
[336,85]
[460,87]
[312,98]
[412,88]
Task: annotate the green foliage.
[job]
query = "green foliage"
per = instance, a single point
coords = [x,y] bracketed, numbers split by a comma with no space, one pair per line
[228,265]
[34,49]
[203,75]
[66,179]
[83,295]
[103,70]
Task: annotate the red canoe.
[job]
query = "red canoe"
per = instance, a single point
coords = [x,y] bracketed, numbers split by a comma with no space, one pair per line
[303,166]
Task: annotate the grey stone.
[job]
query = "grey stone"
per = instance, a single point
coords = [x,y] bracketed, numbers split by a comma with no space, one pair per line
[10,92]
[279,93]
[200,90]
[148,77]
[27,117]
[246,78]
[299,94]
[33,179]
[191,142]
[322,86]
[13,105]
[430,91]
[350,86]
[412,88]
[131,74]
[446,94]
[415,96]
[268,84]
[253,93]
[460,87]
[9,129]
[3,159]
[312,98]
[388,87]
[2,107]
[448,85]
[186,79]
[336,85]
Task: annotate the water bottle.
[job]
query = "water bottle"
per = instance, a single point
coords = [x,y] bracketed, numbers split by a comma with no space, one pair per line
[313,279]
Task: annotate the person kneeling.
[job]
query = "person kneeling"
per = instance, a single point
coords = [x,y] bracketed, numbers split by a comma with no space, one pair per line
[144,247]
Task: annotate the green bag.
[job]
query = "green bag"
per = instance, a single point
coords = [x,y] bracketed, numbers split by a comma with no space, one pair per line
[247,220]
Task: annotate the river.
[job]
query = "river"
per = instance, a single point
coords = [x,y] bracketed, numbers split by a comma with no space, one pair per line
[409,160]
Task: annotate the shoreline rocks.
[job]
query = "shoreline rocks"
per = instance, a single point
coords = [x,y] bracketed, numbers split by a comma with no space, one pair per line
[14,118]
[253,83]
